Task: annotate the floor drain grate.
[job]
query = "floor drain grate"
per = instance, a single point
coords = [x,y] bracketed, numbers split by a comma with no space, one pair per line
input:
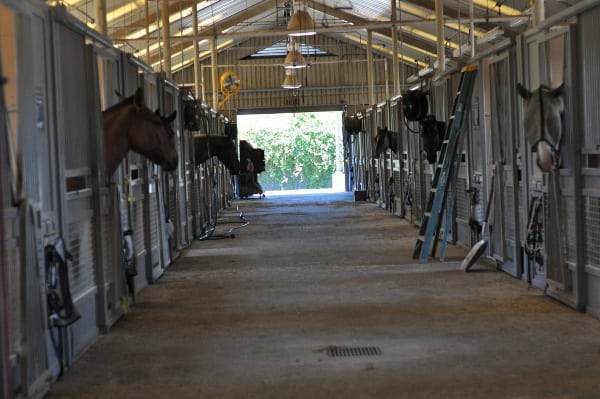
[349,351]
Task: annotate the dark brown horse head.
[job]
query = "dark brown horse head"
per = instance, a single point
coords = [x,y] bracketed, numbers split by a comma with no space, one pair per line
[251,157]
[385,139]
[130,124]
[433,136]
[222,147]
[542,122]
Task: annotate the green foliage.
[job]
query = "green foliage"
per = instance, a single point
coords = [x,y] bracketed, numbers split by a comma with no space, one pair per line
[300,155]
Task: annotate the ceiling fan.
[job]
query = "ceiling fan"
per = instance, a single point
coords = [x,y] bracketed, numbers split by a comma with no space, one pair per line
[230,85]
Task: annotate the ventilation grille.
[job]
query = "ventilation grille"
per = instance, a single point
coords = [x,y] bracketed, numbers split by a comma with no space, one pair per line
[592,229]
[154,218]
[462,200]
[356,351]
[509,212]
[568,213]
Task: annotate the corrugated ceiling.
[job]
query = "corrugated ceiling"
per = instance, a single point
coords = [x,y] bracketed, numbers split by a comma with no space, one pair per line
[132,24]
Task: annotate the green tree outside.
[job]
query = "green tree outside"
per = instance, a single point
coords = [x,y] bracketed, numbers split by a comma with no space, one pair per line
[298,156]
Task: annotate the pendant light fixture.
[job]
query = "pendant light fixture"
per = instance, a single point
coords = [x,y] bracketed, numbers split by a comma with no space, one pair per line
[294,58]
[291,80]
[301,22]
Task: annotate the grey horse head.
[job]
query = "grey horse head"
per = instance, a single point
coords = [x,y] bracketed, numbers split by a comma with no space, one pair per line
[543,122]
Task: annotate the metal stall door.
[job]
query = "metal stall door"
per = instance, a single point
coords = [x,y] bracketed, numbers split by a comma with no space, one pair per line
[223,186]
[198,203]
[198,182]
[396,168]
[357,162]
[550,197]
[499,109]
[589,31]
[186,163]
[172,188]
[227,179]
[77,134]
[406,168]
[6,203]
[197,199]
[369,163]
[440,107]
[154,207]
[107,62]
[11,317]
[352,143]
[206,169]
[210,168]
[32,95]
[23,66]
[29,210]
[134,212]
[416,161]
[180,214]
[382,171]
[361,162]
[210,173]
[472,159]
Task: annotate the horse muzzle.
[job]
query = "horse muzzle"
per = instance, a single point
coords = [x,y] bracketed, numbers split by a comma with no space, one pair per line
[545,155]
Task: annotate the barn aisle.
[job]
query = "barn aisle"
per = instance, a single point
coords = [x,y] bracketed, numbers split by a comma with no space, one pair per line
[273,312]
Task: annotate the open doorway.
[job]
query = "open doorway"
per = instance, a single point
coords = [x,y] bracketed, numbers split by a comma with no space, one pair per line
[303,151]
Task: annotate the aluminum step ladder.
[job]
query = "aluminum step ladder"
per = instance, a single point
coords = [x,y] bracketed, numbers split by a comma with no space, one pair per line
[450,154]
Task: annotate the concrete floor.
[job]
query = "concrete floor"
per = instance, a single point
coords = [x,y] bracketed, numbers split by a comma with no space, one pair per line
[253,316]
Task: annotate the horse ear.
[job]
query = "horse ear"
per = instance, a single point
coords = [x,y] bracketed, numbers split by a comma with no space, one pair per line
[139,98]
[171,117]
[558,91]
[523,92]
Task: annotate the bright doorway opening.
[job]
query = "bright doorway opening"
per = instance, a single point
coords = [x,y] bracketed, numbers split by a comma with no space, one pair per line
[303,151]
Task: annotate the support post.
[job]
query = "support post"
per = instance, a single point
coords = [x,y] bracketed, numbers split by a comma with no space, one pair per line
[370,77]
[395,62]
[197,77]
[166,28]
[439,22]
[101,16]
[203,83]
[387,78]
[539,12]
[147,15]
[215,77]
[472,26]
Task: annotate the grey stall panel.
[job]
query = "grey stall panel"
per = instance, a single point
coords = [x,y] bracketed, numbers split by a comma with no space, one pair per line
[113,298]
[502,140]
[152,188]
[77,156]
[176,195]
[549,56]
[40,192]
[397,183]
[589,283]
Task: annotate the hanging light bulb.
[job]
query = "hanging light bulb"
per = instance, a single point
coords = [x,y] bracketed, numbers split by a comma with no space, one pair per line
[294,58]
[291,80]
[301,22]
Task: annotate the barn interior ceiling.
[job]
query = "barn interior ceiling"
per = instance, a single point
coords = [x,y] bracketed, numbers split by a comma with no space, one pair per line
[136,25]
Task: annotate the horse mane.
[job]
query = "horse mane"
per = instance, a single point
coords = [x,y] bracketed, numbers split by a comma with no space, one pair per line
[124,101]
